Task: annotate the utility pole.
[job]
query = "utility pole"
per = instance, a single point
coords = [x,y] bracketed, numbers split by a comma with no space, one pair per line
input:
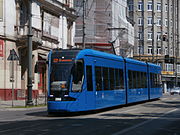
[29,85]
[178,28]
[174,39]
[83,38]
[143,32]
[169,24]
[177,43]
[153,50]
[162,18]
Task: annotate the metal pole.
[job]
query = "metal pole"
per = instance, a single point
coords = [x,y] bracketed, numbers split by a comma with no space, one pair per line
[174,38]
[153,49]
[12,80]
[169,24]
[120,53]
[162,21]
[177,43]
[143,31]
[83,38]
[63,46]
[29,86]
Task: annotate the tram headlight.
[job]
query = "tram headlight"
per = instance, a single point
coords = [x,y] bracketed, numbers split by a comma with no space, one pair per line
[63,86]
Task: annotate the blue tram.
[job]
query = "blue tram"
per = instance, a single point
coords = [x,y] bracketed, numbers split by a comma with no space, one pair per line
[83,80]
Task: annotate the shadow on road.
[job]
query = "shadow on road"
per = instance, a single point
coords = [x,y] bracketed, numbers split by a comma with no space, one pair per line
[86,126]
[38,114]
[164,104]
[81,126]
[101,124]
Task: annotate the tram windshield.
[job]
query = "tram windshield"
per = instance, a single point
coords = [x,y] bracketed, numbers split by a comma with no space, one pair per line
[63,71]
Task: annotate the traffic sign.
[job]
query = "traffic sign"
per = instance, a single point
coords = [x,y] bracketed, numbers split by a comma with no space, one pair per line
[13,55]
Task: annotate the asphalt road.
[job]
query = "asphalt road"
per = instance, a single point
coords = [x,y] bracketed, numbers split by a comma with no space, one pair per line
[160,117]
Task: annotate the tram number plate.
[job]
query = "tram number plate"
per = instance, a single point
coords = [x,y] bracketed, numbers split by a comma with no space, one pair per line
[58,99]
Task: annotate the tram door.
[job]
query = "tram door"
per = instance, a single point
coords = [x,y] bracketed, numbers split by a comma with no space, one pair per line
[90,99]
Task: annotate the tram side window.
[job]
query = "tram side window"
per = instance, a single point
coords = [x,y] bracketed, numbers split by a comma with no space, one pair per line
[117,78]
[130,75]
[121,79]
[134,79]
[153,81]
[105,78]
[98,74]
[109,78]
[89,78]
[159,80]
[144,80]
[78,76]
[112,80]
[138,79]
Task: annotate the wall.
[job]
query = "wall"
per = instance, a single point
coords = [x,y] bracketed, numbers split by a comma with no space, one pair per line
[125,34]
[54,26]
[36,16]
[10,16]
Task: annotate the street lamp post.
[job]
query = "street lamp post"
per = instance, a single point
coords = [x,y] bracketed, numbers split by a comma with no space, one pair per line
[83,38]
[29,85]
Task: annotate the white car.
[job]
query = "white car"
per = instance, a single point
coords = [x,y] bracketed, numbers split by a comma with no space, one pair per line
[175,91]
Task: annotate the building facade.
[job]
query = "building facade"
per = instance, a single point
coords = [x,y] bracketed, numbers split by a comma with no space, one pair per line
[105,26]
[52,27]
[157,36]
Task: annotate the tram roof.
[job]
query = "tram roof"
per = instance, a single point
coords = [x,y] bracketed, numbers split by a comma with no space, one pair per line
[128,60]
[95,53]
[90,52]
[154,65]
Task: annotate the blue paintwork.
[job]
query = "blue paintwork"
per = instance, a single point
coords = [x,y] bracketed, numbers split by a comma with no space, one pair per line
[136,95]
[154,92]
[92,100]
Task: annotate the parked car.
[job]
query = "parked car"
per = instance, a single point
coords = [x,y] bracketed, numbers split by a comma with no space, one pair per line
[175,90]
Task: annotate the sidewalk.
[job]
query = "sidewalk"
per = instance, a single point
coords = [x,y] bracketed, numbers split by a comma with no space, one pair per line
[7,104]
[21,103]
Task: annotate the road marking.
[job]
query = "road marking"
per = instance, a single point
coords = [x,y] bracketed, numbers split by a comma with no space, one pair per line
[103,117]
[140,124]
[130,110]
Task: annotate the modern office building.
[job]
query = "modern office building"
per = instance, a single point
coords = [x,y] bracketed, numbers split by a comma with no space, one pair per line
[157,36]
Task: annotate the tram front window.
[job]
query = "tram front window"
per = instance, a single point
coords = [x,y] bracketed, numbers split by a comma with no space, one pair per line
[60,73]
[64,74]
[77,76]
